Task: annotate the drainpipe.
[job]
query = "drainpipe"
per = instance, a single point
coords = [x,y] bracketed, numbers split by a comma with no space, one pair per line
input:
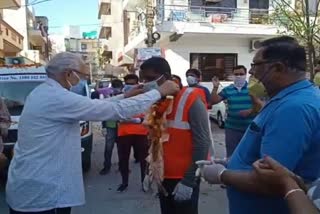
[47,47]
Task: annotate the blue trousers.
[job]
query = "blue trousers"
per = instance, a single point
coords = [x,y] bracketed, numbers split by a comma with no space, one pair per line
[111,138]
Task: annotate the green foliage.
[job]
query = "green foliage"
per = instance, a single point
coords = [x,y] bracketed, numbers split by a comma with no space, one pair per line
[300,23]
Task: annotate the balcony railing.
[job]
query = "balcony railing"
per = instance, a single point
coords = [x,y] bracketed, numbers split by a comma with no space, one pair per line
[223,15]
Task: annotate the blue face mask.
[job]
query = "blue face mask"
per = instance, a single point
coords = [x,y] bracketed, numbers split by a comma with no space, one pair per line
[127,88]
[80,87]
[151,85]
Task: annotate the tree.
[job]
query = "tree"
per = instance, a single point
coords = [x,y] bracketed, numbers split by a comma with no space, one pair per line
[301,23]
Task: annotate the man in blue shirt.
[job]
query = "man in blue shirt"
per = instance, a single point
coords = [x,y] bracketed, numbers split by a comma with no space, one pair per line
[286,129]
[193,79]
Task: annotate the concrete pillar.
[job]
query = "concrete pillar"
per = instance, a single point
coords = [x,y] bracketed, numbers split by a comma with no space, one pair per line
[243,11]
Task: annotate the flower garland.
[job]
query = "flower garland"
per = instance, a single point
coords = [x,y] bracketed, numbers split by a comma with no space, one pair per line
[156,121]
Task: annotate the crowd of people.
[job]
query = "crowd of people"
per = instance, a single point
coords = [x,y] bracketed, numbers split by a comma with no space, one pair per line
[272,135]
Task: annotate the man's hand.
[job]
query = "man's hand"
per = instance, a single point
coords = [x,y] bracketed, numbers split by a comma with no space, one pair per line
[215,82]
[223,161]
[245,113]
[182,192]
[3,161]
[169,88]
[134,92]
[201,164]
[277,177]
[212,173]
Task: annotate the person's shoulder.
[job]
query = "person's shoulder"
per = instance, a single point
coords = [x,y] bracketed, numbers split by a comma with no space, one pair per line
[203,87]
[228,87]
[308,97]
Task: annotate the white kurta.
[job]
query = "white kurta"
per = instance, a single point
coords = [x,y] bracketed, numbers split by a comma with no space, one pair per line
[46,172]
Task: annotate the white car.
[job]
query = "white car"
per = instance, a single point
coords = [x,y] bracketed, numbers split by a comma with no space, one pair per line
[218,112]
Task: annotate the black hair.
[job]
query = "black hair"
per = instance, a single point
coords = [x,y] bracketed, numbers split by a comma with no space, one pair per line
[180,81]
[116,83]
[158,65]
[238,67]
[194,71]
[131,77]
[177,77]
[285,49]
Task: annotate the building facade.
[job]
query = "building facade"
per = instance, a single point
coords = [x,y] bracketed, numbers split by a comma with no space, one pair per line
[34,31]
[11,41]
[88,50]
[208,35]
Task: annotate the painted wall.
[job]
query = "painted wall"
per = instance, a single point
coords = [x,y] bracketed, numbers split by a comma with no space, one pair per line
[17,19]
[178,53]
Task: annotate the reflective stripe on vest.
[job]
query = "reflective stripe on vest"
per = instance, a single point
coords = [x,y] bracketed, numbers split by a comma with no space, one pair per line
[177,122]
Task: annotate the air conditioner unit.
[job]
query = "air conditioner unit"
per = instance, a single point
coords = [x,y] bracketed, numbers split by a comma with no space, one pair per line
[255,44]
[15,60]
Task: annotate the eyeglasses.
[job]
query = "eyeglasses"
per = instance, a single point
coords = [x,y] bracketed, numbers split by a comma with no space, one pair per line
[239,75]
[260,63]
[78,72]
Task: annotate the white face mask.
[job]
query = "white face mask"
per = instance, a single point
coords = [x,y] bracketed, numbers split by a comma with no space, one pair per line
[191,80]
[239,81]
[148,86]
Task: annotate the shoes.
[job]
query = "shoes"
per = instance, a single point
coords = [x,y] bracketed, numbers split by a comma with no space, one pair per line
[122,188]
[104,171]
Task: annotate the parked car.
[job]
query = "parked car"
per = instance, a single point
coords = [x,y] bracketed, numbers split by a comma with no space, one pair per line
[15,85]
[218,112]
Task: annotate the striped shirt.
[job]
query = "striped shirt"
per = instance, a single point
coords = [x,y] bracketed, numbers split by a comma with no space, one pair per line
[314,193]
[237,101]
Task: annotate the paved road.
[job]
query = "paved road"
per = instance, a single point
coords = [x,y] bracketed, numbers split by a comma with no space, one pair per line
[101,193]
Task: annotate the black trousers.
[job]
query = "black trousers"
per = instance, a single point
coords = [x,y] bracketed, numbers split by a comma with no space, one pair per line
[66,210]
[140,146]
[170,206]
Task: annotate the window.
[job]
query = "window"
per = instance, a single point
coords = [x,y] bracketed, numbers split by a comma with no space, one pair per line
[13,37]
[220,65]
[7,32]
[83,46]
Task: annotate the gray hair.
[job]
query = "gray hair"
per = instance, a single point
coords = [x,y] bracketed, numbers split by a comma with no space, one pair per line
[64,61]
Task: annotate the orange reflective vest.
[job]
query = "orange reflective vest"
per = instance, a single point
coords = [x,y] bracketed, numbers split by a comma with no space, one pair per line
[132,128]
[178,149]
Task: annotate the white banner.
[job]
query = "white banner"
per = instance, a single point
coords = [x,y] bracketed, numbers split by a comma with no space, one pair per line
[23,78]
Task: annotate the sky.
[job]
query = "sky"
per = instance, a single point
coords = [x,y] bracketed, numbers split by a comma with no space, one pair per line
[69,12]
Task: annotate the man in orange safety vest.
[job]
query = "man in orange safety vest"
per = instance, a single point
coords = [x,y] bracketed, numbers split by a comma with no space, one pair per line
[189,140]
[131,133]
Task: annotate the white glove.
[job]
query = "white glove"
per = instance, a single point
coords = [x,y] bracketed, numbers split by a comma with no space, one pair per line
[104,132]
[212,173]
[136,120]
[201,164]
[146,184]
[182,192]
[223,161]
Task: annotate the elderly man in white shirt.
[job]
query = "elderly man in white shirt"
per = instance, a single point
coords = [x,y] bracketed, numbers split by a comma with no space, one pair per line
[45,175]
